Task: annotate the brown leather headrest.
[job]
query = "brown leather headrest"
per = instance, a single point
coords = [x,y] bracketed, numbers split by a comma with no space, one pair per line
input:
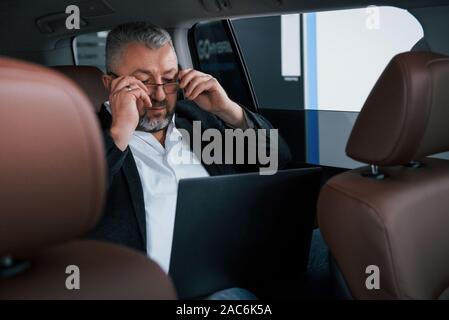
[52,170]
[406,116]
[89,79]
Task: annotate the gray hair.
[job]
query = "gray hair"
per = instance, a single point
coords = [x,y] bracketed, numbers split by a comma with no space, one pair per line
[145,33]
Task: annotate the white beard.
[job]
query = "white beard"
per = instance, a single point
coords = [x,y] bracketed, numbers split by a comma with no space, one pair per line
[154,125]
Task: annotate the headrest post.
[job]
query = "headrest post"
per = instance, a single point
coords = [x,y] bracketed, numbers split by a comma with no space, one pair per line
[414,164]
[374,173]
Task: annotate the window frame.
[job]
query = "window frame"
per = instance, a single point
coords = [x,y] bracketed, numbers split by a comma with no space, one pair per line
[227,25]
[74,50]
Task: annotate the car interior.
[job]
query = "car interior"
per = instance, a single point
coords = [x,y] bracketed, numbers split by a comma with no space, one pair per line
[381,193]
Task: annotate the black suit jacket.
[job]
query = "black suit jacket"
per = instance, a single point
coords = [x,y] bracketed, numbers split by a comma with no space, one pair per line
[123,219]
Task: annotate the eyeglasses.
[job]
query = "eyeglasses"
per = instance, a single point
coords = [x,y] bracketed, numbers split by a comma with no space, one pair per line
[168,87]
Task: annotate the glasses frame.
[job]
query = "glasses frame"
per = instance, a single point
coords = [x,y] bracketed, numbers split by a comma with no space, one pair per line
[152,87]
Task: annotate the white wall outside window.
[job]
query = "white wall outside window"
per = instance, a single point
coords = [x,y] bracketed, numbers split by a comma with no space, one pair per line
[353,48]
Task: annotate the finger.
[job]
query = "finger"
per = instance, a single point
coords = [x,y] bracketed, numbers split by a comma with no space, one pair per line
[188,77]
[183,72]
[185,76]
[146,99]
[140,94]
[141,85]
[122,81]
[132,84]
[137,93]
[201,88]
[195,82]
[126,81]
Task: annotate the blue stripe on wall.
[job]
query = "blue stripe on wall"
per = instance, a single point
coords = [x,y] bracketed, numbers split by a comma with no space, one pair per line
[313,155]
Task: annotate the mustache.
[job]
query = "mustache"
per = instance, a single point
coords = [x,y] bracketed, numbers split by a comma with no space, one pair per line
[159,104]
[155,104]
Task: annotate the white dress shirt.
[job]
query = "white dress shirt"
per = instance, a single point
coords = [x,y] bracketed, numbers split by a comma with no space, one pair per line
[160,170]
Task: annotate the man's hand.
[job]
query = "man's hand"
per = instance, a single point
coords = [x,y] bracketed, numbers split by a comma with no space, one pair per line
[207,92]
[128,97]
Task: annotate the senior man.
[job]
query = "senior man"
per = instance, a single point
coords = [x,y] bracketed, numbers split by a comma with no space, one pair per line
[142,122]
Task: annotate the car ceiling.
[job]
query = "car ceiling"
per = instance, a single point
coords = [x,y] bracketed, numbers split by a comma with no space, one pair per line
[19,18]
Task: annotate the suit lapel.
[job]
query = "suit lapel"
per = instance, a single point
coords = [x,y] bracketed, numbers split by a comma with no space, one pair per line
[136,193]
[132,178]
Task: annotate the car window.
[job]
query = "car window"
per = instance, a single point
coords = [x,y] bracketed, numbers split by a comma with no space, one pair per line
[214,54]
[271,48]
[89,49]
[339,54]
[323,64]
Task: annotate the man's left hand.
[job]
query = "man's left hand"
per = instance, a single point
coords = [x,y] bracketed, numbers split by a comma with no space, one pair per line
[207,92]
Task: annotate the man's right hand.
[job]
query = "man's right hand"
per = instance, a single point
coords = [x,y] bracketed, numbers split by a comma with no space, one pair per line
[128,97]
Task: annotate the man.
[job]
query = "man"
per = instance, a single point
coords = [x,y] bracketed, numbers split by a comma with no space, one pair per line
[142,122]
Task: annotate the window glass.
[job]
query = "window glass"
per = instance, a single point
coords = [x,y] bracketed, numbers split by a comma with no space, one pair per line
[352,49]
[90,49]
[323,61]
[271,47]
[323,64]
[216,56]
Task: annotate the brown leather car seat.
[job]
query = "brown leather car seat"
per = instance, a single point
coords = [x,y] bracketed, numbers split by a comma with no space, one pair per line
[394,214]
[52,181]
[89,80]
